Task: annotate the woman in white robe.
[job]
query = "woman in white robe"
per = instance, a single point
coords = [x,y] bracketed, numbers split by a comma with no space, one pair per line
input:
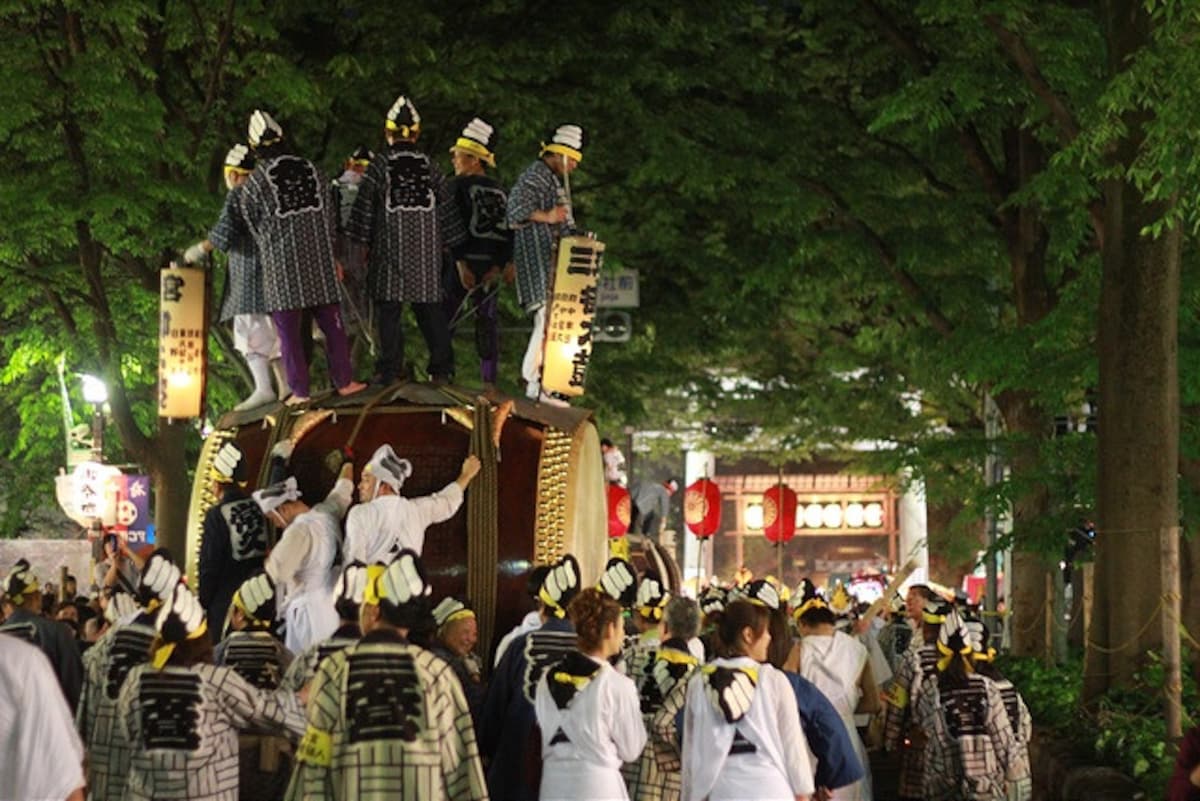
[589,714]
[742,734]
[838,664]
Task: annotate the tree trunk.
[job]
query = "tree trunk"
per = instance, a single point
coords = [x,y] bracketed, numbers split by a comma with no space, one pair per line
[1029,603]
[172,491]
[1137,490]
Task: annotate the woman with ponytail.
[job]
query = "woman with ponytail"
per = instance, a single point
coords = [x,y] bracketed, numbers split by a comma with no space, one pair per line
[588,713]
[741,724]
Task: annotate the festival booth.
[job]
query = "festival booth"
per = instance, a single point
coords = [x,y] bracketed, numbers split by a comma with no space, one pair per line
[541,492]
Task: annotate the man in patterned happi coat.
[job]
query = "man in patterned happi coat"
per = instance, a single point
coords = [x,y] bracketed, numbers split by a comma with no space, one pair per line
[286,205]
[387,719]
[253,332]
[538,214]
[507,731]
[485,257]
[181,714]
[404,214]
[124,646]
[234,542]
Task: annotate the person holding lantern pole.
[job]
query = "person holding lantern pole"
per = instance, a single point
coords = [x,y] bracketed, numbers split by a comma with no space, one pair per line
[539,214]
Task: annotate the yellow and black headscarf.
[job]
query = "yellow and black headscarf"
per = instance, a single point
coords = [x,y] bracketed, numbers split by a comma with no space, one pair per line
[403,118]
[256,599]
[953,640]
[159,577]
[561,585]
[180,619]
[239,161]
[652,597]
[20,583]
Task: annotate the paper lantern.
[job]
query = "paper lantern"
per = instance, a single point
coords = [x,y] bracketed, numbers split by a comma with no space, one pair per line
[182,342]
[567,348]
[702,508]
[620,509]
[779,513]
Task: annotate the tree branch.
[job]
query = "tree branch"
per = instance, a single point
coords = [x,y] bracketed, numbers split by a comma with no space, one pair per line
[883,250]
[1023,58]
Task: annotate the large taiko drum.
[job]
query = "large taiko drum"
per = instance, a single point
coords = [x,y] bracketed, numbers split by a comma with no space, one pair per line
[541,492]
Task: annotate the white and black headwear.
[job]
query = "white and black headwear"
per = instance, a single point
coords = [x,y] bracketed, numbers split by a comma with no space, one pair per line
[478,139]
[160,577]
[953,639]
[619,582]
[399,583]
[652,597]
[256,599]
[239,159]
[403,118]
[450,609]
[348,591]
[229,465]
[276,495]
[20,582]
[567,140]
[388,468]
[560,585]
[713,599]
[263,130]
[181,618]
[762,593]
[121,605]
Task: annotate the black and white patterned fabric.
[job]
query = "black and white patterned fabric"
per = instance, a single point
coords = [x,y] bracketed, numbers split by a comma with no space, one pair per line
[404,212]
[288,211]
[652,596]
[304,666]
[662,689]
[482,206]
[244,280]
[387,720]
[271,498]
[713,600]
[970,741]
[561,585]
[256,656]
[534,243]
[619,582]
[389,468]
[183,723]
[106,665]
[729,690]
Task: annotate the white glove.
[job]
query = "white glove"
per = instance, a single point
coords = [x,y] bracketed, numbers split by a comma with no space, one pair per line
[194,253]
[283,449]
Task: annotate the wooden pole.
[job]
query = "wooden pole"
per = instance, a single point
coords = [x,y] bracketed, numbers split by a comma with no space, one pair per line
[1172,659]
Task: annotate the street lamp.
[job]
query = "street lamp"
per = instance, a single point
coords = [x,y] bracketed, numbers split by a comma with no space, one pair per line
[95,392]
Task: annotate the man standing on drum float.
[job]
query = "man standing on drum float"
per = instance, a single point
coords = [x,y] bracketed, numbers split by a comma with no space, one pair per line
[384,523]
[485,257]
[404,214]
[539,213]
[287,208]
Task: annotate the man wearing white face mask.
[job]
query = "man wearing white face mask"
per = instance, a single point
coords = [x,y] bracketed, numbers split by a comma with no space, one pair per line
[385,523]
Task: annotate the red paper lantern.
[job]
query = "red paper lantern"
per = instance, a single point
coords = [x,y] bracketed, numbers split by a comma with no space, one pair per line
[779,513]
[620,510]
[702,508]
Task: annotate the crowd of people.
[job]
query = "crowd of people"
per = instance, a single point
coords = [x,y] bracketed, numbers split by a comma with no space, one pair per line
[334,669]
[390,231]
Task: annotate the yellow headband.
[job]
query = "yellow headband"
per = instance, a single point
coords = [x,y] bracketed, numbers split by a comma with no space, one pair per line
[371,590]
[164,651]
[475,149]
[563,150]
[405,131]
[651,612]
[930,617]
[985,656]
[461,614]
[236,170]
[816,602]
[948,655]
[240,604]
[559,612]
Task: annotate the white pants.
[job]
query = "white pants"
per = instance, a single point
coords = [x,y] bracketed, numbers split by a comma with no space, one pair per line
[531,367]
[254,334]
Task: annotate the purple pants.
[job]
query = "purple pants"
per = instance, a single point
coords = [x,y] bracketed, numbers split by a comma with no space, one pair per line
[289,325]
[487,329]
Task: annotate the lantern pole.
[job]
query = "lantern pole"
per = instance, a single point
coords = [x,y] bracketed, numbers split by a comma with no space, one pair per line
[779,531]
